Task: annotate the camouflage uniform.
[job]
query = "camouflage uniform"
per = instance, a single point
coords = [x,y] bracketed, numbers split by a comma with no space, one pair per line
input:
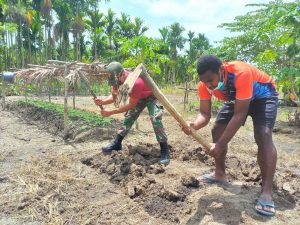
[155,111]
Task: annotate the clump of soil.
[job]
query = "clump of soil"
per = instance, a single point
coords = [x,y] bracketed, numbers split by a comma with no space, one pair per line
[133,169]
[130,163]
[164,203]
[294,118]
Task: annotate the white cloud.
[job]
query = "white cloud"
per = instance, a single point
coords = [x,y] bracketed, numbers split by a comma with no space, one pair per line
[191,9]
[201,16]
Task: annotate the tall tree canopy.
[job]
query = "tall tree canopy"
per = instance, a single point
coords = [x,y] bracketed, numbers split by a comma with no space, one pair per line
[33,31]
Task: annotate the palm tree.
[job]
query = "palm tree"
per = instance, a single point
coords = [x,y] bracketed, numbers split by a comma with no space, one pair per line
[46,9]
[78,27]
[16,13]
[165,49]
[37,5]
[125,27]
[3,41]
[164,33]
[176,41]
[191,36]
[110,26]
[63,27]
[95,23]
[78,8]
[29,20]
[139,29]
[200,44]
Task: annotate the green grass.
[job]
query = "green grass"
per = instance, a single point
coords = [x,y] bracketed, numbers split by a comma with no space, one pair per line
[73,114]
[171,89]
[216,105]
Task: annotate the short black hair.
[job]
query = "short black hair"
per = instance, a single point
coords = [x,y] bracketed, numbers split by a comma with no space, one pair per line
[208,63]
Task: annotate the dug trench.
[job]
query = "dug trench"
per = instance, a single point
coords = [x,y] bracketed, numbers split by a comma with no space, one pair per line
[171,194]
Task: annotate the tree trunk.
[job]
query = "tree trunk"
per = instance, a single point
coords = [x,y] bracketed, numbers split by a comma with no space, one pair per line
[21,45]
[173,75]
[29,45]
[17,64]
[50,43]
[7,61]
[294,97]
[40,46]
[46,41]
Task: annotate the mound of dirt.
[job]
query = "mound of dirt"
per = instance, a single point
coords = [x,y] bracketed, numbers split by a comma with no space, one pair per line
[294,118]
[130,163]
[79,131]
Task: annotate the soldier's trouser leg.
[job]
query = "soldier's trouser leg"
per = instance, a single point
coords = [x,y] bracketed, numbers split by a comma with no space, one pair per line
[131,116]
[155,113]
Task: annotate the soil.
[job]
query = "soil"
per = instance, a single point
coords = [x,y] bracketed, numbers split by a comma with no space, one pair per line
[46,180]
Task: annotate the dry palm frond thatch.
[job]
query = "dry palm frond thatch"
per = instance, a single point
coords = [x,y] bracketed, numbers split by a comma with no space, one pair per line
[55,70]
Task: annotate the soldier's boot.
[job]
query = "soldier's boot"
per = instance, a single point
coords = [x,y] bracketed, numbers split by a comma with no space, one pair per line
[115,145]
[164,153]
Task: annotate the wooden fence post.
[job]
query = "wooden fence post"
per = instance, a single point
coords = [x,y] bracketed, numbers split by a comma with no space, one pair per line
[3,93]
[66,128]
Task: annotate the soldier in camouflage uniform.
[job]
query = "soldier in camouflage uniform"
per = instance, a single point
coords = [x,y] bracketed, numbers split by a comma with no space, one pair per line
[141,97]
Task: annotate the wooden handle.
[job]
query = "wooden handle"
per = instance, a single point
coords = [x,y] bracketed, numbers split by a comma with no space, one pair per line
[164,101]
[89,87]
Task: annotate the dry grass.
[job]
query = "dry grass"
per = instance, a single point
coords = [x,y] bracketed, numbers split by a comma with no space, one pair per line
[45,186]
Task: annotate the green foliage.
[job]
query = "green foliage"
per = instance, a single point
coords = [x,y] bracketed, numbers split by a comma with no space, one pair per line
[103,89]
[91,119]
[144,50]
[216,105]
[269,38]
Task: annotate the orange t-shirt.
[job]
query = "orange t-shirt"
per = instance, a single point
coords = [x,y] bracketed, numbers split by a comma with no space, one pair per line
[244,81]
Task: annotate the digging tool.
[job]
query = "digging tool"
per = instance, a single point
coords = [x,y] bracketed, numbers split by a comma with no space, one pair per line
[126,87]
[89,87]
[164,101]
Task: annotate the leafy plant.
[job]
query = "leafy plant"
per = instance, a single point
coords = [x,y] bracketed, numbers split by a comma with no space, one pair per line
[91,119]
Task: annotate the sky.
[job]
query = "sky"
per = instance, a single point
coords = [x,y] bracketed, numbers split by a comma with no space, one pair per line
[200,16]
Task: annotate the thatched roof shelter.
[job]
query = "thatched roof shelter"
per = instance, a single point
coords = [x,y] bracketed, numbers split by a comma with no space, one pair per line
[59,70]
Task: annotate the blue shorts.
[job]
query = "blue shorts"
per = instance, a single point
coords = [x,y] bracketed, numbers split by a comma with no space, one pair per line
[263,112]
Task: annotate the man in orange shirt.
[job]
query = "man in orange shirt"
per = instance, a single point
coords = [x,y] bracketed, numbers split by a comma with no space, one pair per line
[246,91]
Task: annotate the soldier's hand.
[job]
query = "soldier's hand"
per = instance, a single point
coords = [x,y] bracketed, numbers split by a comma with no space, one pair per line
[98,101]
[105,113]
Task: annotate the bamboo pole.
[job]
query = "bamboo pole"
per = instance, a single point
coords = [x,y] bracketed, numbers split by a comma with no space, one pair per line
[165,102]
[45,67]
[57,61]
[66,103]
[3,93]
[74,95]
[49,89]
